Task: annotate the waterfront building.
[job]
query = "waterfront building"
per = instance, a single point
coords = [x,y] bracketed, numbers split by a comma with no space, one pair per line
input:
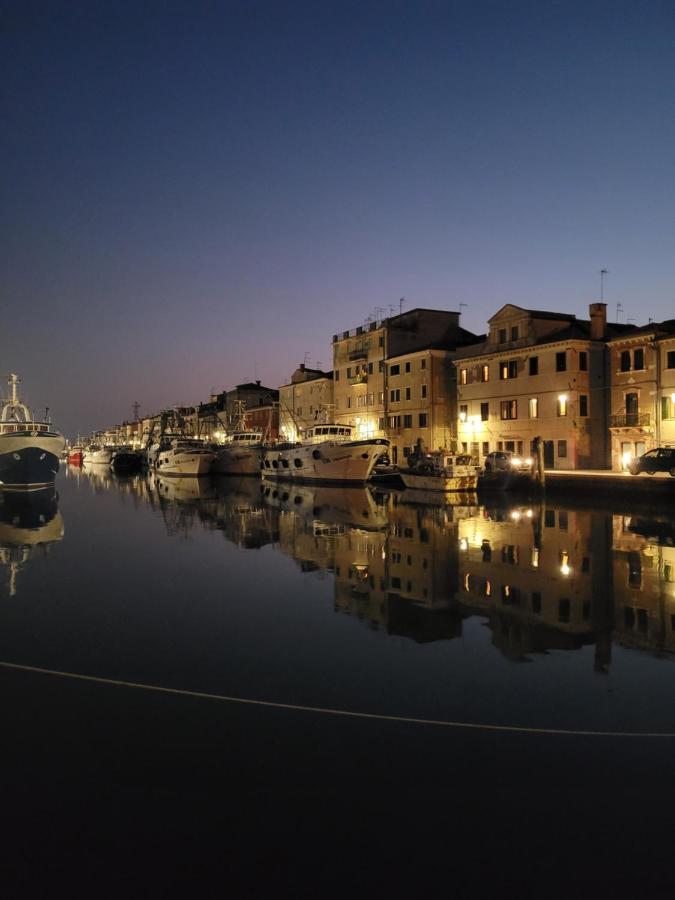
[370,387]
[642,379]
[538,374]
[306,399]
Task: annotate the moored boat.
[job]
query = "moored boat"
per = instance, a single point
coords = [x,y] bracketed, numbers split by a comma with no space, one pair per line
[126,459]
[29,449]
[97,454]
[328,453]
[440,471]
[241,454]
[181,456]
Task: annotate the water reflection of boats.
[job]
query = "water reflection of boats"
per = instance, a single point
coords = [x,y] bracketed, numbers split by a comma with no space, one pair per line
[356,507]
[27,521]
[659,530]
[185,489]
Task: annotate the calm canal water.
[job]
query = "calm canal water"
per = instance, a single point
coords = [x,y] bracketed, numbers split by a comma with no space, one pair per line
[496,612]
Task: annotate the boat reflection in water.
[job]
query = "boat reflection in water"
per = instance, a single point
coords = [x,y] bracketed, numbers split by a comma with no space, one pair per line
[29,523]
[543,577]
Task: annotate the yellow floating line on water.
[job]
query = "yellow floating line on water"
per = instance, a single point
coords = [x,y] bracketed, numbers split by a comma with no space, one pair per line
[328,711]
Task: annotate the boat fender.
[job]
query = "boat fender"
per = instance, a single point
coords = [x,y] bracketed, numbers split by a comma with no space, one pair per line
[316,454]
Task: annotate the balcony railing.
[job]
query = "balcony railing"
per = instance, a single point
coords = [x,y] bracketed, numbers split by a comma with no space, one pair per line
[630,420]
[359,353]
[361,378]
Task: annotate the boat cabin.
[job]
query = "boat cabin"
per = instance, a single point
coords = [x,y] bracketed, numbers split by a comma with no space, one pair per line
[320,433]
[244,437]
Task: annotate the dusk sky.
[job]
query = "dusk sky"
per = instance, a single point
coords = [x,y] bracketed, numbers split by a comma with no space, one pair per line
[198,194]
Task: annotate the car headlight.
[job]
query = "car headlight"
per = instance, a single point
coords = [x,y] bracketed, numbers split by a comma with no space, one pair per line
[529,461]
[516,461]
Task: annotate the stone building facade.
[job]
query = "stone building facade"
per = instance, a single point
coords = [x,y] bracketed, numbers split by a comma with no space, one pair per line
[538,374]
[642,379]
[306,399]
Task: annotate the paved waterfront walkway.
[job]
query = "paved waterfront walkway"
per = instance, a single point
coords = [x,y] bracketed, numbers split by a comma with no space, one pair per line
[604,473]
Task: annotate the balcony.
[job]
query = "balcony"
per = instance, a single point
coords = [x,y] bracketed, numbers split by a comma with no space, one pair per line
[630,420]
[361,378]
[358,353]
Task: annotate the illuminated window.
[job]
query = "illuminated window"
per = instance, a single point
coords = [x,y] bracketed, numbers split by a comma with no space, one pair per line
[485,374]
[508,369]
[463,376]
[562,405]
[508,409]
[534,408]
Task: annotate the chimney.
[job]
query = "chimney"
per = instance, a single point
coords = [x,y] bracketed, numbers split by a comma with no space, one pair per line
[302,367]
[598,313]
[257,382]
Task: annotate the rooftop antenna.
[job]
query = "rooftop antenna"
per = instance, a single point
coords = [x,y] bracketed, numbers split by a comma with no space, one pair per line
[319,364]
[306,358]
[603,272]
[136,406]
[465,305]
[391,309]
[619,308]
[400,305]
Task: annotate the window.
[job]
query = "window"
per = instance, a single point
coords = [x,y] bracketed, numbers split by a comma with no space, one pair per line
[562,449]
[424,391]
[502,335]
[380,396]
[508,409]
[371,399]
[484,412]
[463,376]
[380,341]
[563,520]
[349,371]
[667,408]
[486,448]
[349,402]
[380,424]
[407,367]
[407,393]
[370,368]
[394,421]
[670,359]
[337,374]
[625,361]
[395,395]
[407,421]
[534,365]
[583,404]
[395,370]
[583,361]
[508,369]
[562,405]
[423,420]
[463,411]
[485,373]
[533,408]
[514,333]
[639,359]
[561,361]
[423,364]
[380,366]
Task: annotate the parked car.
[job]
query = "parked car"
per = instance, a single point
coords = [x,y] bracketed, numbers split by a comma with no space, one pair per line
[660,459]
[506,461]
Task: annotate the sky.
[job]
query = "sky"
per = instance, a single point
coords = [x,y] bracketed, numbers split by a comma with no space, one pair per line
[198,194]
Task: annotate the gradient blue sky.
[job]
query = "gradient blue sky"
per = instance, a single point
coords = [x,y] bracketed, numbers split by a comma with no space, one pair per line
[196,194]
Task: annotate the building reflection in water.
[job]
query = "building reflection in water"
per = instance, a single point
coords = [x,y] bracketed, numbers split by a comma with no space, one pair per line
[30,522]
[544,577]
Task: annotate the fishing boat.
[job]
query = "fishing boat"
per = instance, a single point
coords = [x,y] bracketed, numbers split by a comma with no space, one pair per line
[440,471]
[97,454]
[29,449]
[328,453]
[241,452]
[75,456]
[126,459]
[182,456]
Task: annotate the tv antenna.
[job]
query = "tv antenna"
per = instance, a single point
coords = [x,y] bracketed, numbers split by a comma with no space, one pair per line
[465,305]
[136,406]
[619,309]
[603,272]
[400,305]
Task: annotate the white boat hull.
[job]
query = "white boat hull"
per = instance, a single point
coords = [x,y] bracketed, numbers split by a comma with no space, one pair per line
[184,462]
[329,461]
[439,483]
[237,461]
[97,456]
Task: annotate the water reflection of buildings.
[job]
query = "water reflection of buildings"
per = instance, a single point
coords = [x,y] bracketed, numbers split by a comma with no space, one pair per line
[543,577]
[643,572]
[30,522]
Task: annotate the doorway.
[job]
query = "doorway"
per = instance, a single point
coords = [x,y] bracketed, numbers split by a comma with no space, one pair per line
[549,457]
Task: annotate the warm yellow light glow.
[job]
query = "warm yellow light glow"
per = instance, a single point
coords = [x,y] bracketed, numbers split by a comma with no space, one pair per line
[462,417]
[463,544]
[515,515]
[562,398]
[529,514]
[626,458]
[565,568]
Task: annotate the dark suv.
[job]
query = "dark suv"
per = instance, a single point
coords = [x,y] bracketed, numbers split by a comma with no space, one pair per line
[660,459]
